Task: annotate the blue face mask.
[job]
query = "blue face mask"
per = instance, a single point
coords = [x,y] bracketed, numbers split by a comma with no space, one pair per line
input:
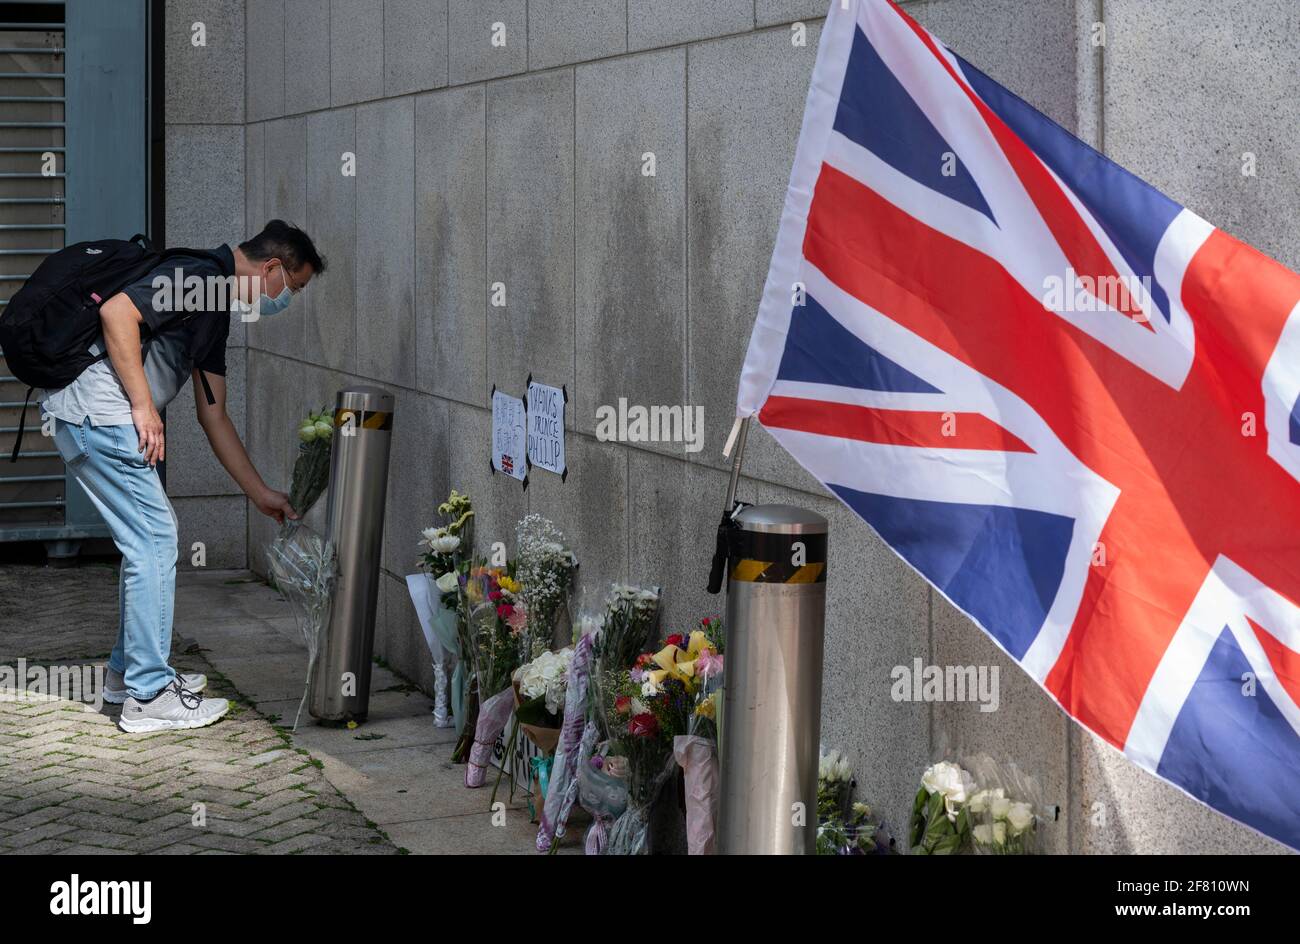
[273,306]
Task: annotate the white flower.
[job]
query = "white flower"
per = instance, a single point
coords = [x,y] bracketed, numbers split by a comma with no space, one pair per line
[834,768]
[430,535]
[646,596]
[950,781]
[638,706]
[1020,817]
[649,689]
[448,582]
[1000,833]
[1000,806]
[546,676]
[445,544]
[980,801]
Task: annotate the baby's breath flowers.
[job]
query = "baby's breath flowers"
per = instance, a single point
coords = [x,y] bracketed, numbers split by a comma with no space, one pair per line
[544,570]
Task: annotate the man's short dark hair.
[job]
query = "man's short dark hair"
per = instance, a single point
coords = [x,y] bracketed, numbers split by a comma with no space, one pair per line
[286,242]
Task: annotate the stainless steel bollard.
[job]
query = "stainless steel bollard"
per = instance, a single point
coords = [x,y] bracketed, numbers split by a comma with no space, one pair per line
[363,422]
[776,617]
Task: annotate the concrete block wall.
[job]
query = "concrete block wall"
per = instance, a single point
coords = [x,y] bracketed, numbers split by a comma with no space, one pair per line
[205,165]
[502,141]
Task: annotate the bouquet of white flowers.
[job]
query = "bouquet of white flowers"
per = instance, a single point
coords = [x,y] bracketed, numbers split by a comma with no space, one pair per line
[300,562]
[445,558]
[940,818]
[1002,813]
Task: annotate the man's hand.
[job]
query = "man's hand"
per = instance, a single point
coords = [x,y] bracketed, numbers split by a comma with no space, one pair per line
[149,428]
[274,504]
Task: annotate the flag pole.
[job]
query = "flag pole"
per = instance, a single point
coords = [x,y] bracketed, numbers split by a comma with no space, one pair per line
[735,447]
[741,435]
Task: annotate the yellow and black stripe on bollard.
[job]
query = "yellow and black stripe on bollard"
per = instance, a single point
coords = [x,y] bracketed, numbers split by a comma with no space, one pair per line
[768,557]
[364,419]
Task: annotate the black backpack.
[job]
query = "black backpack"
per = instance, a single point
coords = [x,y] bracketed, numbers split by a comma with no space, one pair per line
[50,324]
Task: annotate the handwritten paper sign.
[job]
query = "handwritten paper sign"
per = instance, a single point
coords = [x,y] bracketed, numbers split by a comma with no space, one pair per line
[546,427]
[509,444]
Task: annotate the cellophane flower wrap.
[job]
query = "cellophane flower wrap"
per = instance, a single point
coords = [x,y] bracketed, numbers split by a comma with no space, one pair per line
[1004,809]
[569,752]
[544,569]
[490,596]
[300,562]
[843,826]
[696,751]
[655,701]
[628,622]
[624,630]
[446,555]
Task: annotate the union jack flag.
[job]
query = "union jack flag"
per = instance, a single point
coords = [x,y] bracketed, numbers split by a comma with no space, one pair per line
[1070,403]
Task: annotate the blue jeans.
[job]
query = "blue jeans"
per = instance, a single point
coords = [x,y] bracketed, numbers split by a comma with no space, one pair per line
[126,490]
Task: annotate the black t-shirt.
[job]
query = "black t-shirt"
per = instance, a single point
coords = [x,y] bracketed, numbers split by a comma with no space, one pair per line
[185,303]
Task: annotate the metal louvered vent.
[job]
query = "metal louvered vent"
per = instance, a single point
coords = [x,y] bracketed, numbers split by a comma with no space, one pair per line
[32,225]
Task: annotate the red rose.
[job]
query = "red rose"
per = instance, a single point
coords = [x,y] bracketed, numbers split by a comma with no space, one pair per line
[504,611]
[705,621]
[622,704]
[494,595]
[676,639]
[644,659]
[643,725]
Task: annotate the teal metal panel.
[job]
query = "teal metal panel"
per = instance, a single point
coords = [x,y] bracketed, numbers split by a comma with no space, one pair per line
[107,117]
[107,166]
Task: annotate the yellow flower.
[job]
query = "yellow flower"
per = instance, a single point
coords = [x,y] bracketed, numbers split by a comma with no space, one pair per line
[351,725]
[706,708]
[510,584]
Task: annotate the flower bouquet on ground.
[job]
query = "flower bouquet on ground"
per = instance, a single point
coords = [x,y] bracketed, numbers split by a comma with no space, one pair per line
[545,569]
[540,697]
[493,628]
[602,783]
[940,815]
[299,561]
[628,626]
[445,559]
[654,703]
[1002,811]
[577,737]
[536,609]
[697,660]
[845,827]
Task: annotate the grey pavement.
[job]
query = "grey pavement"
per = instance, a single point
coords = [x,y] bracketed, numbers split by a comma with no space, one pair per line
[72,782]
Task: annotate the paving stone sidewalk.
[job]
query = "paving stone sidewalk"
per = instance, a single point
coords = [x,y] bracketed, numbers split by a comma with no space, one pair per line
[71,782]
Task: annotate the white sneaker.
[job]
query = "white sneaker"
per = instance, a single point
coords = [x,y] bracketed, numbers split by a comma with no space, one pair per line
[115,692]
[174,708]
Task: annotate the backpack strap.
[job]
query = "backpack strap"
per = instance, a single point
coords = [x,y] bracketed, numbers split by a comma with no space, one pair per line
[207,388]
[22,424]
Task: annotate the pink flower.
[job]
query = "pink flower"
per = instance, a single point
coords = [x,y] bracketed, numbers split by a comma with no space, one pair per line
[708,663]
[517,619]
